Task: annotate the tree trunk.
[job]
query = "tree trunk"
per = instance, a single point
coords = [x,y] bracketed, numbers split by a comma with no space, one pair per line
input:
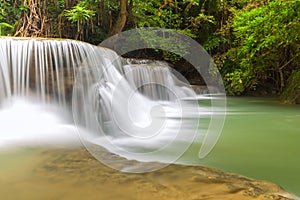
[32,21]
[122,18]
[281,76]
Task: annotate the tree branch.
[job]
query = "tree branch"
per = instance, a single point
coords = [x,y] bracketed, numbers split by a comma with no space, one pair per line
[286,64]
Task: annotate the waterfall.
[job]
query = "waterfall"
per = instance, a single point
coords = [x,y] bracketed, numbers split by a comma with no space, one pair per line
[36,83]
[134,110]
[156,81]
[45,68]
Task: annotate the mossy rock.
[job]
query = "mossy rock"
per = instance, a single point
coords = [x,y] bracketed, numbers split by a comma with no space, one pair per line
[291,93]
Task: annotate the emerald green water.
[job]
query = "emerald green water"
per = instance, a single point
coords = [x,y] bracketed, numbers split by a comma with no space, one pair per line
[260,139]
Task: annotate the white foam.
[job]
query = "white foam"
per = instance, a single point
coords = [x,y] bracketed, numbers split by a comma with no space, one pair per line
[25,122]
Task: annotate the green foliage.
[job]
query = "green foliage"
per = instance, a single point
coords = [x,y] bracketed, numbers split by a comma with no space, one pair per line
[271,26]
[213,42]
[173,15]
[5,28]
[185,16]
[266,36]
[10,11]
[238,81]
[255,43]
[167,43]
[79,13]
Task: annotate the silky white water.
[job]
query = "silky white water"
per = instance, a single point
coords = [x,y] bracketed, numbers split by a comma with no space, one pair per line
[25,122]
[136,111]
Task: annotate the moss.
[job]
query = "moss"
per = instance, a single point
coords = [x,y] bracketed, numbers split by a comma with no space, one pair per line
[291,93]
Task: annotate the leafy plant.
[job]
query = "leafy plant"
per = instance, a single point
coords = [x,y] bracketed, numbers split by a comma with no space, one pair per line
[238,81]
[267,39]
[5,28]
[80,15]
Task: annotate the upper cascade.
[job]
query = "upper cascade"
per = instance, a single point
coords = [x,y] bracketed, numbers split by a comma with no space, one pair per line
[46,68]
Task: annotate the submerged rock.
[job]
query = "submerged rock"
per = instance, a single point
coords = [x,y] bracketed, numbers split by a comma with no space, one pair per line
[78,168]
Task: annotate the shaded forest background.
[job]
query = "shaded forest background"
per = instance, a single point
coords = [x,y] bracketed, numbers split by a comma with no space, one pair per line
[254,43]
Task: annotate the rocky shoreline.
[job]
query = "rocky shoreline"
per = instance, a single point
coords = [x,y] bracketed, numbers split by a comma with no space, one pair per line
[78,168]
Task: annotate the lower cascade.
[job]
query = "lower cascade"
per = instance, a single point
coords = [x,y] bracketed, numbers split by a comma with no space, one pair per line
[156,82]
[141,112]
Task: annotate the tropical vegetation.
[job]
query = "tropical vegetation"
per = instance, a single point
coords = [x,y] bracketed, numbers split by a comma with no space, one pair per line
[254,43]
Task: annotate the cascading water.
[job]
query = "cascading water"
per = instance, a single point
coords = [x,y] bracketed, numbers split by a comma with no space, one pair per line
[44,67]
[156,82]
[36,78]
[107,108]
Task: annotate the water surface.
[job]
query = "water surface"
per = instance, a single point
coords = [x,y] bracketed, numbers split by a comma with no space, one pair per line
[260,139]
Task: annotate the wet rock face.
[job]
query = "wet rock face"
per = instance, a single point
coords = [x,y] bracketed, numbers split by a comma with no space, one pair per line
[56,76]
[291,93]
[58,83]
[172,182]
